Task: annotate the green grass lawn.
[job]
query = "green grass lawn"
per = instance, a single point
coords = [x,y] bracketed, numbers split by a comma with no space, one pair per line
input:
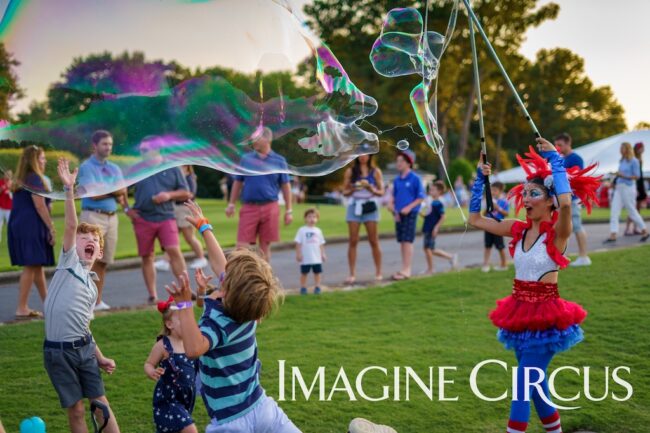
[421,323]
[332,222]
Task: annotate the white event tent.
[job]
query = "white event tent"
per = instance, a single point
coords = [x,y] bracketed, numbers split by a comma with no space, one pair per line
[605,152]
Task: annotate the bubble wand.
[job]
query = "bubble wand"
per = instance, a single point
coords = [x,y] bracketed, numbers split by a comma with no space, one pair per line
[473,18]
[477,85]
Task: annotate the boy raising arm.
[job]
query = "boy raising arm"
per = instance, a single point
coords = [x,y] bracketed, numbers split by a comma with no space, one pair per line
[71,357]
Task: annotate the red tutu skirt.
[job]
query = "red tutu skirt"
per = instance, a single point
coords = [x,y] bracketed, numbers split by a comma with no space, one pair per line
[535,306]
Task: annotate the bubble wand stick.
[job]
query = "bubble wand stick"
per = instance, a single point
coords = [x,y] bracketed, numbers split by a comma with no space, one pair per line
[473,17]
[477,85]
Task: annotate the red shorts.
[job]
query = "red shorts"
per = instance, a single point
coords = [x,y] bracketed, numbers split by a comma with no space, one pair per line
[146,233]
[262,220]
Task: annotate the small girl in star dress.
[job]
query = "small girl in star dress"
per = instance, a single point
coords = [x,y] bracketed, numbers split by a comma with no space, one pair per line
[174,395]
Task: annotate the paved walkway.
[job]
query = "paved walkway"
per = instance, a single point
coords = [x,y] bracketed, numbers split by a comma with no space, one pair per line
[125,288]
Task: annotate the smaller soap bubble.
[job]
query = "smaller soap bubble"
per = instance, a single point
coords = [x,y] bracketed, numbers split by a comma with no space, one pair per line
[403,144]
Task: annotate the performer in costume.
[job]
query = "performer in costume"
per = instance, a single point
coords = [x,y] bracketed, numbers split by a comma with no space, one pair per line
[534,321]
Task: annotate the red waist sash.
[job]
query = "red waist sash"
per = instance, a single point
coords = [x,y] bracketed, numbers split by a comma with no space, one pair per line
[534,291]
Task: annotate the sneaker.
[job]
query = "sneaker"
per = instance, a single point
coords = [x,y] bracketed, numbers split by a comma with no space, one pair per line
[162,265]
[303,290]
[199,263]
[102,306]
[501,268]
[316,290]
[360,425]
[581,261]
[485,268]
[454,261]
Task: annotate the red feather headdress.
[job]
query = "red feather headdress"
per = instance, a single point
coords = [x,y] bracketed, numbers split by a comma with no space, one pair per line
[583,185]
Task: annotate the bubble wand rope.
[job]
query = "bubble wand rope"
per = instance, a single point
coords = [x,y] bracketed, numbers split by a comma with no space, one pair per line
[473,17]
[477,86]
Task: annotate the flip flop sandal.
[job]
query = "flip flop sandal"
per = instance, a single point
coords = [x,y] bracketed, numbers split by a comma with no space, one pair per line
[398,276]
[32,315]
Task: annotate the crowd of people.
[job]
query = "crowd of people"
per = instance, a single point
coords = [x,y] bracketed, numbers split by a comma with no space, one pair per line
[190,354]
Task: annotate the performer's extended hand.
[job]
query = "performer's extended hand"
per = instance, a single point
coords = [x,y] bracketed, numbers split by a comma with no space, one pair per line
[543,145]
[486,168]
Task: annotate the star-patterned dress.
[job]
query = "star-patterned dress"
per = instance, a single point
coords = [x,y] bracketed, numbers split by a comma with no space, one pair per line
[174,395]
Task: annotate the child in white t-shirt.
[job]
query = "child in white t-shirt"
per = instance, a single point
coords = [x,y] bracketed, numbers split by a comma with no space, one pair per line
[310,250]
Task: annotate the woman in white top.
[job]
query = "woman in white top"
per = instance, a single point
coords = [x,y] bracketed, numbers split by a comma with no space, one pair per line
[625,194]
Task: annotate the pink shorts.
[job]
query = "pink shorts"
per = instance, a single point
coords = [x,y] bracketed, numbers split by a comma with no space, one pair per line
[146,233]
[262,220]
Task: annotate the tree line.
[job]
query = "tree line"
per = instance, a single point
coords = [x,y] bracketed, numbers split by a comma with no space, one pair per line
[554,86]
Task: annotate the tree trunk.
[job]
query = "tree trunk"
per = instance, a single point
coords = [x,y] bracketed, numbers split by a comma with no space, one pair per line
[467,120]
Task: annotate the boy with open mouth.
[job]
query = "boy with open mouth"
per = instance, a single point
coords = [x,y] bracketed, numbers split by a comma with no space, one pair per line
[71,357]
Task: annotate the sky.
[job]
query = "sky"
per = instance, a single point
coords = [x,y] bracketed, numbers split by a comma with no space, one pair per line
[614,40]
[611,36]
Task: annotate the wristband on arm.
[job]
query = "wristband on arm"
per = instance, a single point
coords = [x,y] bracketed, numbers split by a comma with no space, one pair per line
[205,227]
[200,223]
[560,179]
[477,192]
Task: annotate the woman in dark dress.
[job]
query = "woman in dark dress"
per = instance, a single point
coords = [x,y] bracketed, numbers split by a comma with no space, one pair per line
[31,229]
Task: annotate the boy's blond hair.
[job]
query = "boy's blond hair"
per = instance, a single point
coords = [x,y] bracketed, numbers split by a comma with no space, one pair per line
[94,229]
[251,289]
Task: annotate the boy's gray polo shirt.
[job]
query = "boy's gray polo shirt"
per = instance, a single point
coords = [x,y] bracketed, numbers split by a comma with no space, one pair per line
[70,299]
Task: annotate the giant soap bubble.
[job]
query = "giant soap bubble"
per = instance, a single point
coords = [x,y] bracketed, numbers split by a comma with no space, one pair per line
[181,82]
[405,47]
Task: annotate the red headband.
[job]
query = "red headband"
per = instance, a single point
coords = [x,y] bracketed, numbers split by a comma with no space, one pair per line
[164,305]
[583,185]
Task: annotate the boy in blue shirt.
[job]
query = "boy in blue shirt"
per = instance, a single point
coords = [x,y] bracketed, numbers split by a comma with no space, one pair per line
[434,216]
[499,213]
[408,194]
[224,340]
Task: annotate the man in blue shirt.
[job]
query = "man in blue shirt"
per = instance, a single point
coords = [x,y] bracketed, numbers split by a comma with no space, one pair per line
[101,210]
[260,213]
[408,193]
[572,159]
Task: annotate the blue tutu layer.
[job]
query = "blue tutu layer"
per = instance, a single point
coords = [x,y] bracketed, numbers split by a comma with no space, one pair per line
[549,340]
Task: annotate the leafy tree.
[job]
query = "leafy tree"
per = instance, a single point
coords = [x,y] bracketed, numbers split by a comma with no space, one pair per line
[563,98]
[9,89]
